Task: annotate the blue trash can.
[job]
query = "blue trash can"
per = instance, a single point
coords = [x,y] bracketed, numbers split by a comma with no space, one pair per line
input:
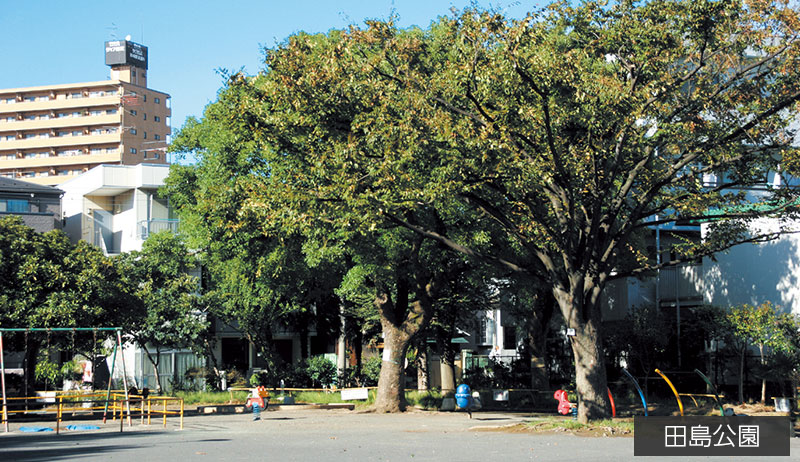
[463,396]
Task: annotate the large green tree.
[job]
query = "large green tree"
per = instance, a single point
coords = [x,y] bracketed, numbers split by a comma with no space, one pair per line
[569,130]
[256,278]
[165,310]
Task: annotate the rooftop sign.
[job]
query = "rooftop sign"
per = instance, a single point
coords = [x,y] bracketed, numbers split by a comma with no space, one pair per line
[123,52]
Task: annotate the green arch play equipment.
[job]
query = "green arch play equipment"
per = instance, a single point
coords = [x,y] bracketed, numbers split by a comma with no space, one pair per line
[714,389]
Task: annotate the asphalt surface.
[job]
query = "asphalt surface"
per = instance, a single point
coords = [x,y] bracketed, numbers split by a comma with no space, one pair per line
[320,436]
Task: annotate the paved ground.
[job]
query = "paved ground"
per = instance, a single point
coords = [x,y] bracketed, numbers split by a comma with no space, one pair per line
[319,436]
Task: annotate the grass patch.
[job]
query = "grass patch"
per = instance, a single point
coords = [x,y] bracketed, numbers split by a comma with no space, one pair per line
[424,400]
[557,424]
[211,397]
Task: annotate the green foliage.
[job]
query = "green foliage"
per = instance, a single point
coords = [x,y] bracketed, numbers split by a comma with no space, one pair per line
[543,146]
[45,281]
[47,372]
[761,326]
[321,371]
[165,309]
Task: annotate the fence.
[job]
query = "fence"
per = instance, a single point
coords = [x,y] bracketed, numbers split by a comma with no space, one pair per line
[475,361]
[172,369]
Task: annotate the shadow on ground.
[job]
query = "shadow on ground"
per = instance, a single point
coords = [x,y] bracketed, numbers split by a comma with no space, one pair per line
[33,448]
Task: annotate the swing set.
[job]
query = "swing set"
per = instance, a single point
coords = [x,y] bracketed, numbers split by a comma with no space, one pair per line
[49,330]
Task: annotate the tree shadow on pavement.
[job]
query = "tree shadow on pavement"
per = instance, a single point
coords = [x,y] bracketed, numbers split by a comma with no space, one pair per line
[45,447]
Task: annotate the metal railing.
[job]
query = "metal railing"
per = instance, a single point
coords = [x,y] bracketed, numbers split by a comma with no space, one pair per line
[148,227]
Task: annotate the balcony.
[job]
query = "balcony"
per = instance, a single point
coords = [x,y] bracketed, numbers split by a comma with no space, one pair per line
[55,104]
[680,283]
[148,227]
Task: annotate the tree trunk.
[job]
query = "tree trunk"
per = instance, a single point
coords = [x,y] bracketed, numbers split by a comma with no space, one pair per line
[390,397]
[763,379]
[304,343]
[422,368]
[401,321]
[447,371]
[155,366]
[537,341]
[341,349]
[447,355]
[741,375]
[587,351]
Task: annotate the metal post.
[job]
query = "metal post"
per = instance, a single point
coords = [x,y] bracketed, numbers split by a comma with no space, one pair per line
[124,381]
[110,378]
[3,379]
[165,412]
[58,416]
[181,413]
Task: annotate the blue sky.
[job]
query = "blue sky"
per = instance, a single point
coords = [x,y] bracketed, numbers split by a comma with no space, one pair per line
[52,42]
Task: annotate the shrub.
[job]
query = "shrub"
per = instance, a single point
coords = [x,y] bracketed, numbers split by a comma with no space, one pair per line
[321,371]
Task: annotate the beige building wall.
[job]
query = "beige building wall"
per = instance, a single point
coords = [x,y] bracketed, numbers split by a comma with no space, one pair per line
[50,134]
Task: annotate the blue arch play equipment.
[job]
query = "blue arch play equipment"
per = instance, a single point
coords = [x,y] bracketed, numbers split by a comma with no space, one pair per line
[638,388]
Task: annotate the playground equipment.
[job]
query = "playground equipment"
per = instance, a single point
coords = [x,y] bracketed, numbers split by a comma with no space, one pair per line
[49,330]
[677,397]
[714,389]
[565,407]
[638,388]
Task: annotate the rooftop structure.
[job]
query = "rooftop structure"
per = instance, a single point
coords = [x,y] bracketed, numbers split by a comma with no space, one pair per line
[116,207]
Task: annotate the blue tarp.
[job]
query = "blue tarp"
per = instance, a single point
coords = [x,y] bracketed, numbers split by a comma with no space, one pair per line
[82,427]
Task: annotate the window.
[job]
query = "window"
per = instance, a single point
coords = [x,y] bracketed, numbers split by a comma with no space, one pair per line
[15,205]
[133,131]
[144,116]
[157,118]
[133,150]
[111,111]
[157,100]
[96,112]
[145,98]
[77,133]
[30,99]
[145,135]
[133,112]
[157,137]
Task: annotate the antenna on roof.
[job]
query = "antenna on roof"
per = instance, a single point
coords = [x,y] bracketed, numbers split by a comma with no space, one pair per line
[113,30]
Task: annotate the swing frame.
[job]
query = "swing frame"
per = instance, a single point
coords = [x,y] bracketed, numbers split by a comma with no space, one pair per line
[118,343]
